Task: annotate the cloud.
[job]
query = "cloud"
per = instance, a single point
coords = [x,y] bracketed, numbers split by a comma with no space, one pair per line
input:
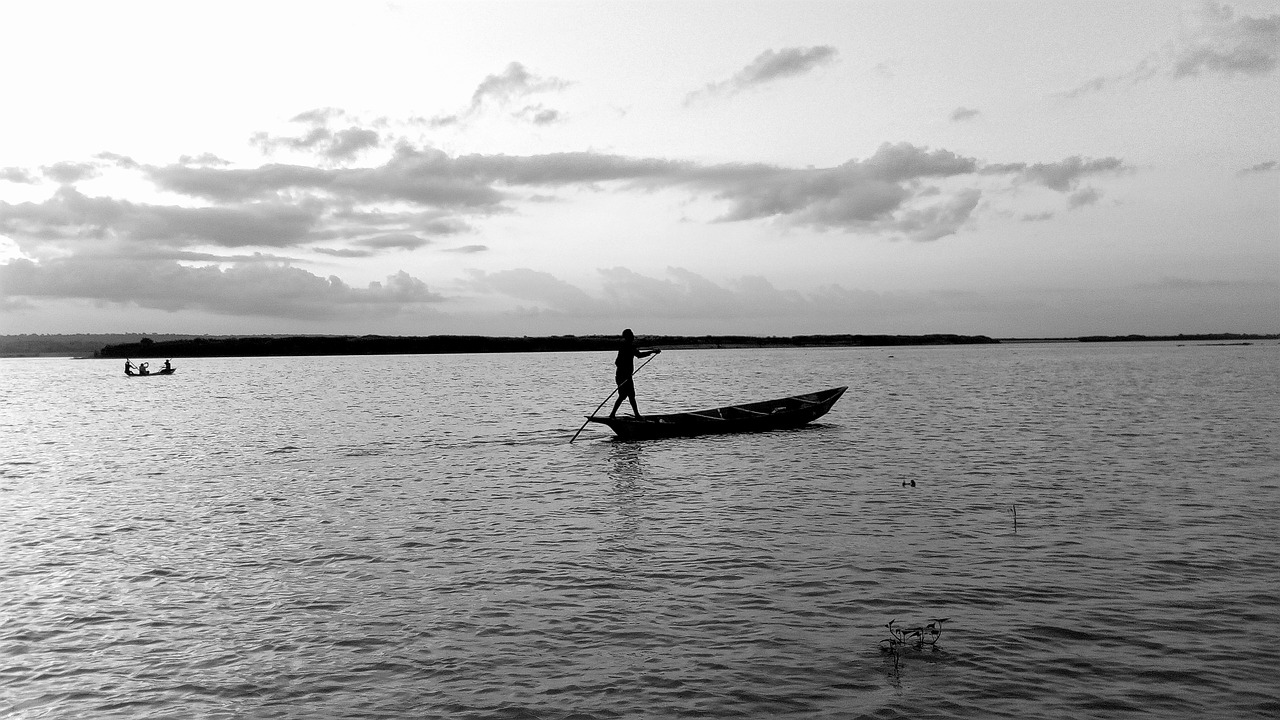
[874,195]
[500,90]
[1261,167]
[963,113]
[395,242]
[528,285]
[676,297]
[420,177]
[71,216]
[318,138]
[901,190]
[368,247]
[1227,44]
[206,159]
[69,173]
[515,81]
[931,222]
[885,193]
[17,175]
[682,294]
[128,163]
[1082,197]
[1220,43]
[539,115]
[1064,175]
[768,67]
[345,252]
[419,194]
[245,289]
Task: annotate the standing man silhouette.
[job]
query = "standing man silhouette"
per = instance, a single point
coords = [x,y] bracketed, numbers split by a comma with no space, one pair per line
[627,353]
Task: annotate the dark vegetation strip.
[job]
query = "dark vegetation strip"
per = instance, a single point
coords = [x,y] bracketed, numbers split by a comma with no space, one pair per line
[112,345]
[256,346]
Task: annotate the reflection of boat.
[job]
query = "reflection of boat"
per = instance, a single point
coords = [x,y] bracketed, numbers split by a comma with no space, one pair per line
[165,371]
[752,417]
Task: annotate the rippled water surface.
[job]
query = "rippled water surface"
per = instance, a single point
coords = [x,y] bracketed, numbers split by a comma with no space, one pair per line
[413,537]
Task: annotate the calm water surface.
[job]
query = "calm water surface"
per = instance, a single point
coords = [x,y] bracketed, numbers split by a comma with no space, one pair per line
[413,537]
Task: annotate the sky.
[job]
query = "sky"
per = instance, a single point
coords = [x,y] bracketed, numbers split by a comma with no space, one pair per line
[1000,168]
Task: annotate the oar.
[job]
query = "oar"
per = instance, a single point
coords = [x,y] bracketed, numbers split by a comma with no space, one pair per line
[593,412]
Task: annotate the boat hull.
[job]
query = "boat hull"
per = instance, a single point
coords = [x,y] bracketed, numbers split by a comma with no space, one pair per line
[779,414]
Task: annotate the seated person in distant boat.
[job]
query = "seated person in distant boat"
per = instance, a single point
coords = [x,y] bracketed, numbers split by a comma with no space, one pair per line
[625,368]
[128,367]
[142,369]
[167,366]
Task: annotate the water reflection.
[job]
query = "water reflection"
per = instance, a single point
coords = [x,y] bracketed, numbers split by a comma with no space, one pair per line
[626,464]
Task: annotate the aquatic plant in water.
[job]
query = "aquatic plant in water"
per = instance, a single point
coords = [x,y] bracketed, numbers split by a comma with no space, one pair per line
[917,638]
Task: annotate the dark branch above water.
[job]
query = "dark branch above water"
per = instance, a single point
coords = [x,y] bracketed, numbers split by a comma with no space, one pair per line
[257,346]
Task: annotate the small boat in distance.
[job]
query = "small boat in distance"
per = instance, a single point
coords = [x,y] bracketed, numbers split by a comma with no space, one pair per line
[165,371]
[789,412]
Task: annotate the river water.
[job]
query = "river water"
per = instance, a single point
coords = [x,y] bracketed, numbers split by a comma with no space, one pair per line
[414,537]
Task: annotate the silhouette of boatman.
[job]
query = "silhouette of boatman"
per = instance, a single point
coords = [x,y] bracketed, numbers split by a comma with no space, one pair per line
[627,353]
[128,367]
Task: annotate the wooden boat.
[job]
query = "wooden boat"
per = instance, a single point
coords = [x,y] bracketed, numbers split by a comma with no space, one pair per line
[777,414]
[165,371]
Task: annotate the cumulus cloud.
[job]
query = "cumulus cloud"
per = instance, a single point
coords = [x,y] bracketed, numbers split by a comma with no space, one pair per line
[769,66]
[1218,43]
[963,113]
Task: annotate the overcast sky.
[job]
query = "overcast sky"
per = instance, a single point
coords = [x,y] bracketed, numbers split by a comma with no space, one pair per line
[1013,169]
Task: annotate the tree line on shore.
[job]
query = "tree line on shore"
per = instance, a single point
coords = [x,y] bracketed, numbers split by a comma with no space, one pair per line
[113,345]
[255,346]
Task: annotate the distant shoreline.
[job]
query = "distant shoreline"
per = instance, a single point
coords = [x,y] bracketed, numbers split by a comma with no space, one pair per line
[304,345]
[124,345]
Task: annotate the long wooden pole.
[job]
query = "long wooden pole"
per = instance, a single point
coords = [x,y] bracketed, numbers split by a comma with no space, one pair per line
[593,412]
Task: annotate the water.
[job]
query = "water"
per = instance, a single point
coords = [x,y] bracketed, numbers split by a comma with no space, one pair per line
[413,537]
